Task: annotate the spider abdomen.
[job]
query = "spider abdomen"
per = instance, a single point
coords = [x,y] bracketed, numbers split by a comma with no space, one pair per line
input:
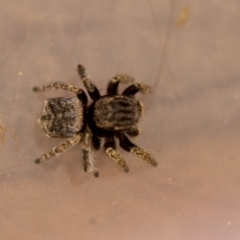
[115,113]
[62,117]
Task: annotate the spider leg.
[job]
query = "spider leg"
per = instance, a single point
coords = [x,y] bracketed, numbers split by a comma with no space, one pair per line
[127,145]
[60,148]
[110,150]
[88,84]
[63,86]
[136,87]
[58,85]
[88,161]
[96,142]
[112,88]
[134,131]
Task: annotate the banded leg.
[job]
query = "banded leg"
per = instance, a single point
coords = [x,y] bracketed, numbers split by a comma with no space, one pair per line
[110,150]
[127,145]
[88,161]
[135,88]
[112,88]
[58,85]
[96,142]
[60,148]
[88,84]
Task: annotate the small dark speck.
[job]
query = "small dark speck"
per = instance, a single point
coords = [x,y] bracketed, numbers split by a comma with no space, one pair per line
[92,221]
[37,161]
[154,164]
[35,89]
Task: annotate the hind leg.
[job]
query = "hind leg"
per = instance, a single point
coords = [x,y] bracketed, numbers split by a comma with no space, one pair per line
[59,149]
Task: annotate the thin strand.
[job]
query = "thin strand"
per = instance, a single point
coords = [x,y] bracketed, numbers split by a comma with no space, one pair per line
[2,136]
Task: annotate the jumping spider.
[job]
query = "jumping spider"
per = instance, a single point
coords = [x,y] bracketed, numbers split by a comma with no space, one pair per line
[109,116]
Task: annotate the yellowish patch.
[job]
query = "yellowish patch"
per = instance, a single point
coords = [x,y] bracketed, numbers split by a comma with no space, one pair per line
[183,17]
[2,135]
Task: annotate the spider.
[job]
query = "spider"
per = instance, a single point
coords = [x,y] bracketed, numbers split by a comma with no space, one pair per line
[105,118]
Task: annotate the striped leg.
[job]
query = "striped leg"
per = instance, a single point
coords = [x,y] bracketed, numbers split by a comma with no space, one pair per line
[135,88]
[96,142]
[58,85]
[88,161]
[88,84]
[112,88]
[59,149]
[110,150]
[127,145]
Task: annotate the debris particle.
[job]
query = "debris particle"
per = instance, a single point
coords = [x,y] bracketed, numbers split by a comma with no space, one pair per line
[2,135]
[183,17]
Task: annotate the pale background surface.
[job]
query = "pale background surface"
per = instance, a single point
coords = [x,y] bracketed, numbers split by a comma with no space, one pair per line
[191,125]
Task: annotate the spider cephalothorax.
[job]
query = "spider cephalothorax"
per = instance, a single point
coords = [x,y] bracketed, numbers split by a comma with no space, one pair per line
[105,118]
